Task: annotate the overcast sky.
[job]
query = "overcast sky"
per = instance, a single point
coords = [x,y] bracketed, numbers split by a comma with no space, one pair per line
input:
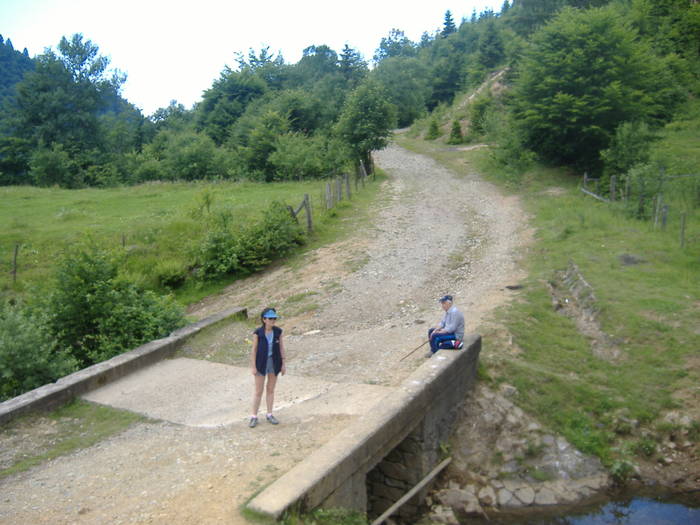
[173,50]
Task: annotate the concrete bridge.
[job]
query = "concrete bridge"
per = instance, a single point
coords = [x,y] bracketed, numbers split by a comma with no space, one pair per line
[381,456]
[368,466]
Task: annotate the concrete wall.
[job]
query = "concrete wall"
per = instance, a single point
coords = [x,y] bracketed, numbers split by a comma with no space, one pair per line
[407,427]
[73,385]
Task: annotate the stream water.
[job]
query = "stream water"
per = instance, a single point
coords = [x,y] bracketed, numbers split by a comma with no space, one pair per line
[633,510]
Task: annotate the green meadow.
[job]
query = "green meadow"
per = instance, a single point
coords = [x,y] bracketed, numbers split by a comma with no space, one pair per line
[155,227]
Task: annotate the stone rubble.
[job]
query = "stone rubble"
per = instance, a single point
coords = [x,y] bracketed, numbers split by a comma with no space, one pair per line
[505,461]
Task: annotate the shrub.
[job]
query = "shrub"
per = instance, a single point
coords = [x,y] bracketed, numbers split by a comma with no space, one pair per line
[477,113]
[54,166]
[28,356]
[629,147]
[228,251]
[455,133]
[433,130]
[97,315]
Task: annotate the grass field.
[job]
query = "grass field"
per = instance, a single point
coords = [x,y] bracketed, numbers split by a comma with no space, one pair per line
[649,310]
[154,226]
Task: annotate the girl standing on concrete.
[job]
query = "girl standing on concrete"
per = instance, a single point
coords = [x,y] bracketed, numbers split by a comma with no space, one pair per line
[266,361]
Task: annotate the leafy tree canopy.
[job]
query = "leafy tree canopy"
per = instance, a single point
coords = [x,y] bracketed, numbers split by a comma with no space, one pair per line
[584,74]
[394,45]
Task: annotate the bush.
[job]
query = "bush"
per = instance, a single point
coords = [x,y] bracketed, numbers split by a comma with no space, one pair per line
[28,356]
[227,251]
[629,147]
[477,113]
[455,133]
[433,130]
[54,166]
[508,151]
[97,315]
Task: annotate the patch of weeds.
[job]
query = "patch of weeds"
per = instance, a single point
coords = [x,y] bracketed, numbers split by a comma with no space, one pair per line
[270,468]
[70,428]
[694,431]
[304,309]
[645,447]
[497,458]
[455,260]
[538,474]
[299,297]
[533,449]
[357,262]
[621,471]
[333,287]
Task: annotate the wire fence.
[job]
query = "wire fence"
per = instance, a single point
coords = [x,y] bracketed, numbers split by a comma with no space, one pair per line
[661,199]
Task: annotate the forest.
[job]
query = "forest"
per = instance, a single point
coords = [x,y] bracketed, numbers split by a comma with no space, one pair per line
[579,69]
[587,85]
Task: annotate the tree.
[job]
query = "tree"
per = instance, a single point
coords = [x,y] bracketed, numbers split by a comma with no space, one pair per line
[366,121]
[407,83]
[316,63]
[97,314]
[585,74]
[394,45]
[352,67]
[448,27]
[60,102]
[491,51]
[227,100]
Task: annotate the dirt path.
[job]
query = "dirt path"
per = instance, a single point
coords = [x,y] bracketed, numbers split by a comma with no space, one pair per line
[350,312]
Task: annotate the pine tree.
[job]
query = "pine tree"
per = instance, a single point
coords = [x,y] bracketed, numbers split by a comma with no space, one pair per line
[456,136]
[449,26]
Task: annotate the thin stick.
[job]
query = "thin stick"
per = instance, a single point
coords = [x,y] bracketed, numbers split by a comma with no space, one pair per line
[421,346]
[427,479]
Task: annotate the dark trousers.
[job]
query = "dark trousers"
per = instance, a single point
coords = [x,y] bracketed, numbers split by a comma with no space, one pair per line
[435,340]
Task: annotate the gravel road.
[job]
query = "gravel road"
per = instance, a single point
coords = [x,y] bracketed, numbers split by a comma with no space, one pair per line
[350,312]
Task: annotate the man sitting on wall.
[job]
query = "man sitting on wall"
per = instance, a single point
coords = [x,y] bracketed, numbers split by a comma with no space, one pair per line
[449,332]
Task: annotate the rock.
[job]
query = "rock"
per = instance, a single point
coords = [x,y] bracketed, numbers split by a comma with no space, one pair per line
[454,498]
[472,508]
[545,496]
[487,496]
[508,390]
[505,498]
[526,495]
[440,514]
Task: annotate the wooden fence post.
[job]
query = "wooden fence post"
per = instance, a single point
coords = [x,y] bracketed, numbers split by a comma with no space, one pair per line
[339,188]
[307,206]
[346,176]
[613,188]
[627,188]
[664,216]
[14,264]
[585,178]
[682,230]
[329,196]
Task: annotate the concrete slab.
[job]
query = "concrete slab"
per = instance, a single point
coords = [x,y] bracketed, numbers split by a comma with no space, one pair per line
[200,393]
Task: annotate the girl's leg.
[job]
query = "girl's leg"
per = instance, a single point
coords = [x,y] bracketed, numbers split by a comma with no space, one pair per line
[270,392]
[257,394]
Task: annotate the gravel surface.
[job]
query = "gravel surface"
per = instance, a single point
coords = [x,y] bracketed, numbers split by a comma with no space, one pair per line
[351,311]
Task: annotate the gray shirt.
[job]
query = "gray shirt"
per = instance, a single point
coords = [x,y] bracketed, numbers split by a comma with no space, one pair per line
[453,322]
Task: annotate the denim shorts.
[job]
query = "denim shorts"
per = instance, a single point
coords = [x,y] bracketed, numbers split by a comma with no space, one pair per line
[270,369]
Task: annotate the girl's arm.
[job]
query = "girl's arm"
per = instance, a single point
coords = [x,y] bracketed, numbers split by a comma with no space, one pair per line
[253,352]
[284,359]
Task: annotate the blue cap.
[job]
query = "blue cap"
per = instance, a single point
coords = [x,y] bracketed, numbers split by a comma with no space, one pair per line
[445,298]
[270,313]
